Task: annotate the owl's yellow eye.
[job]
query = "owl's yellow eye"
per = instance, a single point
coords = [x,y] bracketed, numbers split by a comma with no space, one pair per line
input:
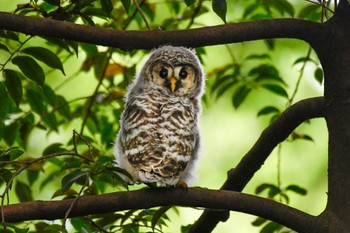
[183,73]
[163,73]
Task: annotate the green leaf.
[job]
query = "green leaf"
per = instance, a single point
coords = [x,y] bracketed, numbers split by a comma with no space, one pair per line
[14,85]
[277,89]
[4,101]
[220,8]
[271,227]
[69,179]
[107,6]
[126,5]
[5,175]
[239,95]
[23,191]
[9,35]
[261,188]
[53,148]
[319,75]
[14,227]
[250,9]
[11,131]
[259,221]
[53,2]
[284,6]
[46,56]
[258,56]
[53,228]
[311,12]
[158,215]
[14,153]
[302,60]
[189,2]
[30,68]
[35,101]
[268,110]
[297,189]
[265,72]
[4,47]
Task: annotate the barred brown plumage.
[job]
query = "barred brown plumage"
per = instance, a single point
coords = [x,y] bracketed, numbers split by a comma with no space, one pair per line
[158,140]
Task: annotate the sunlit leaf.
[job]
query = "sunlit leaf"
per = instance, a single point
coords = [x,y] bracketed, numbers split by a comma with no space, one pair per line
[69,179]
[4,48]
[13,84]
[220,8]
[15,228]
[53,228]
[46,56]
[30,68]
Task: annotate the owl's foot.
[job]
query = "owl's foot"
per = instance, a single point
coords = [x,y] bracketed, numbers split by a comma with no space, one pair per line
[181,184]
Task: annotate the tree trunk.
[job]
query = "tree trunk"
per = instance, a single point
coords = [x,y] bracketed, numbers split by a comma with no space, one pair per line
[334,52]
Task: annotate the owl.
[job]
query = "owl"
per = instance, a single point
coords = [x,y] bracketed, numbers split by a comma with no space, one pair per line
[159,141]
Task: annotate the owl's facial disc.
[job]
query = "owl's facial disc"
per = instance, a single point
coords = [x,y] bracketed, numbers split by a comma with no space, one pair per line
[178,79]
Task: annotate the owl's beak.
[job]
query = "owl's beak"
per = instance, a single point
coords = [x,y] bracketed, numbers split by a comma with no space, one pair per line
[173,81]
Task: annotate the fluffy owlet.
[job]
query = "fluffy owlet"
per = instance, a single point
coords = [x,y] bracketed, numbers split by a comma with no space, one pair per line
[158,140]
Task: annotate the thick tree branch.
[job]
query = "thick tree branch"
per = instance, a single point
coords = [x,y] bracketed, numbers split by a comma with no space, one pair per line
[143,199]
[277,132]
[128,40]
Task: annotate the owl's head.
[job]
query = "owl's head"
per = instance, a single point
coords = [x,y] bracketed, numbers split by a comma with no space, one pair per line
[175,71]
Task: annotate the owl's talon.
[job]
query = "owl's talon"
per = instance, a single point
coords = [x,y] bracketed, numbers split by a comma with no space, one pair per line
[182,185]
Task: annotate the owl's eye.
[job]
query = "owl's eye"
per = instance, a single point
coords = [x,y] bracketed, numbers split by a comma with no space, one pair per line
[183,73]
[163,73]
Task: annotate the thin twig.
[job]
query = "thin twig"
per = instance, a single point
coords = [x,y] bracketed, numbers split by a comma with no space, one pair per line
[24,167]
[94,95]
[195,13]
[73,203]
[142,15]
[290,101]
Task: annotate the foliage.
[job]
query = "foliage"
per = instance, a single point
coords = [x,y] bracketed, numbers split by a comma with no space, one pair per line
[37,96]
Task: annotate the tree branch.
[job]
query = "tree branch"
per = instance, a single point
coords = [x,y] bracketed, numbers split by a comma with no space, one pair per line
[277,132]
[143,199]
[128,40]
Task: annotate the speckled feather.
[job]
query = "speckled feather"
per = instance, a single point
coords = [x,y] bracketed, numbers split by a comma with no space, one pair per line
[159,138]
